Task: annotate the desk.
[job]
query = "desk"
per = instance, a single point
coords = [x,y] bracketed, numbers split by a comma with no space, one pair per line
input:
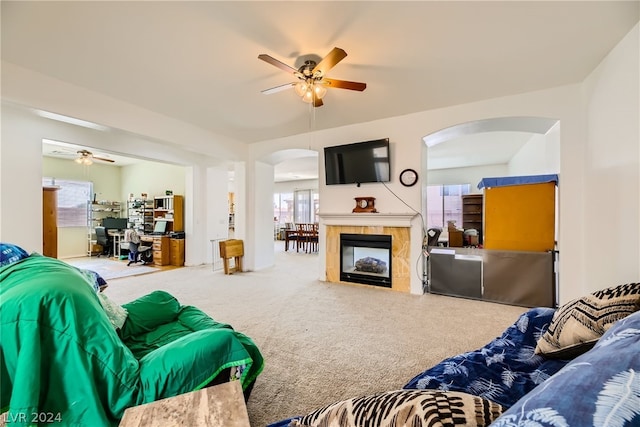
[117,236]
[161,248]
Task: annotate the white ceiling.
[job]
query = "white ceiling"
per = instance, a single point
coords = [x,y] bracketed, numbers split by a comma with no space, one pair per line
[197,61]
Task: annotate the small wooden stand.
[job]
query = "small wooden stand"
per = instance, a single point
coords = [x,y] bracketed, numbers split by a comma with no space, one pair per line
[232,248]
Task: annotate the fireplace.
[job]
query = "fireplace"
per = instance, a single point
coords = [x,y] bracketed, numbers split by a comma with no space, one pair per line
[366,259]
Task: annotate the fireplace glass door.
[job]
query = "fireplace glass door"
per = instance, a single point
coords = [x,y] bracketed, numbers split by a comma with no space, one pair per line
[366,259]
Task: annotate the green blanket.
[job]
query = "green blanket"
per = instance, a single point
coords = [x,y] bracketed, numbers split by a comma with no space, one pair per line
[61,359]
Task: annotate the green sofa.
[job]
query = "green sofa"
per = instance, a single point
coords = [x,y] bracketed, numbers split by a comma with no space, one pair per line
[62,359]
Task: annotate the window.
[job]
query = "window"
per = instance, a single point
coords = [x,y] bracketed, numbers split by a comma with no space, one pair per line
[444,203]
[282,208]
[72,201]
[300,206]
[306,206]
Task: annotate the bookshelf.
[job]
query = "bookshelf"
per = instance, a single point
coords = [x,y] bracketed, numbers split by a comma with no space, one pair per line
[140,215]
[170,209]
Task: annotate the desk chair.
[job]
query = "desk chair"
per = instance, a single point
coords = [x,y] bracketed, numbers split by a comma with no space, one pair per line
[433,234]
[137,251]
[102,238]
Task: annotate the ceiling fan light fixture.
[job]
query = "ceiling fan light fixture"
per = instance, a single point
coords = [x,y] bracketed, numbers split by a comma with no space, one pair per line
[308,96]
[312,85]
[301,88]
[84,161]
[320,90]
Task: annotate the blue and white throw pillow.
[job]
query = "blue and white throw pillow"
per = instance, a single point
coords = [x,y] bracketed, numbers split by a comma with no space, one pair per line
[502,371]
[599,388]
[10,253]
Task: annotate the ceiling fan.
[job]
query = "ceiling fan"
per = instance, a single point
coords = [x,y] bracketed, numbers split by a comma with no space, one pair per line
[86,157]
[312,84]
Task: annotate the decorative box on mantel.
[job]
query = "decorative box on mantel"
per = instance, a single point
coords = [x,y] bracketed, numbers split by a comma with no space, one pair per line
[404,229]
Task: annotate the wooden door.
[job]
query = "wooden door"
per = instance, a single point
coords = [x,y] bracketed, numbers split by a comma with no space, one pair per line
[50,222]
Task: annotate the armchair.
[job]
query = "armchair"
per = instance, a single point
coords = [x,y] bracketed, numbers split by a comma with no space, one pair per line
[66,350]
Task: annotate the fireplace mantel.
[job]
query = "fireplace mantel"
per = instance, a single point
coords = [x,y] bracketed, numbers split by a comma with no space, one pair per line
[365,219]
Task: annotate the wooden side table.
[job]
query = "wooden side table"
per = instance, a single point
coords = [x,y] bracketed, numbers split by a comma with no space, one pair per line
[232,248]
[222,405]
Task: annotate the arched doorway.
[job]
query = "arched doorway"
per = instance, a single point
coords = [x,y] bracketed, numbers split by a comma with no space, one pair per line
[458,158]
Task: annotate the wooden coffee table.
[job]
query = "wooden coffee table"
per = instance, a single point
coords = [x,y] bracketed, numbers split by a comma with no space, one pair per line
[222,405]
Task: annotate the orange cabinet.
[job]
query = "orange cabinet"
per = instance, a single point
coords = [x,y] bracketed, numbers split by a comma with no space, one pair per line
[520,217]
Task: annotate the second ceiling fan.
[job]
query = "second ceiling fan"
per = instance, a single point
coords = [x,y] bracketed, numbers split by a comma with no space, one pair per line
[86,157]
[312,84]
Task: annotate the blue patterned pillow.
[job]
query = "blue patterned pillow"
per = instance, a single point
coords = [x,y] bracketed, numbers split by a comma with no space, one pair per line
[599,388]
[10,253]
[95,279]
[502,371]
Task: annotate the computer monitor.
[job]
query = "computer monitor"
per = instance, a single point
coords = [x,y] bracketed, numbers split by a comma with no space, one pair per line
[160,227]
[115,223]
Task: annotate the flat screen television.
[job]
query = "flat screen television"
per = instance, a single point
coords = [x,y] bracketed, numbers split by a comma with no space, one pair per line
[357,163]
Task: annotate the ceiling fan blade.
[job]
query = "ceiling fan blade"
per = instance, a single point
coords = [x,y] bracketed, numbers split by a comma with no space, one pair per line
[104,159]
[318,102]
[329,61]
[271,60]
[278,88]
[344,84]
[63,153]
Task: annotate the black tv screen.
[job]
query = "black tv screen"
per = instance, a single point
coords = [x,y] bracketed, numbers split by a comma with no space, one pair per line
[357,163]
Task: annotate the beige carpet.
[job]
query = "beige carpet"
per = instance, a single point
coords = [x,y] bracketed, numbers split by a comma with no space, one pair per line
[324,342]
[111,269]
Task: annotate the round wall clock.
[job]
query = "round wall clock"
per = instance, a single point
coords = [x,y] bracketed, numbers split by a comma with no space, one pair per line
[408,177]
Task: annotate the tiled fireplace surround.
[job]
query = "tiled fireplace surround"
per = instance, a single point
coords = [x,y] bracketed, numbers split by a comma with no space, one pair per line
[403,253]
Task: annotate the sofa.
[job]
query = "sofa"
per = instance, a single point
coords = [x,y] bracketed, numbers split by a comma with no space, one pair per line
[71,356]
[574,366]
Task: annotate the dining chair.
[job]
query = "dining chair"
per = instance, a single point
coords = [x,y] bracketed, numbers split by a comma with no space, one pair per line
[290,234]
[313,238]
[307,237]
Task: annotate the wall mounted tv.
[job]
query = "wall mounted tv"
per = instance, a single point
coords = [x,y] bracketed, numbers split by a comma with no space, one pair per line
[357,163]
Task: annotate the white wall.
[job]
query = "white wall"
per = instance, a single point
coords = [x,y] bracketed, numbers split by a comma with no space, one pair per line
[469,175]
[26,87]
[291,186]
[20,182]
[406,132]
[152,178]
[255,196]
[612,163]
[539,156]
[217,208]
